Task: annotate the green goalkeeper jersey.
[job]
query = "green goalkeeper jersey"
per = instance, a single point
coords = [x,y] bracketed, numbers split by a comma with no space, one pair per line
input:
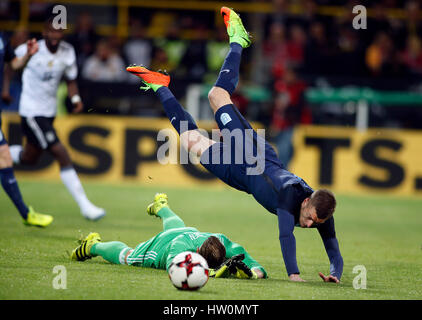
[159,251]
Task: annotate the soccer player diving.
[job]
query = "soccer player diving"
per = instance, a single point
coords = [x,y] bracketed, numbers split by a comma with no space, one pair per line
[279,191]
[224,257]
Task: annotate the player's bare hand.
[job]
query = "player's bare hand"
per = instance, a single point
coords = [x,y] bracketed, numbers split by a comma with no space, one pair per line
[32,46]
[78,107]
[258,273]
[328,278]
[296,278]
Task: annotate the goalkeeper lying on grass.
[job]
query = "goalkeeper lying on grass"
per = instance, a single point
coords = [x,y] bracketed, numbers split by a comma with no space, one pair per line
[225,258]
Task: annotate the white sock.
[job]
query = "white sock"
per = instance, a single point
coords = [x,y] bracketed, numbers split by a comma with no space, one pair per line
[73,184]
[15,151]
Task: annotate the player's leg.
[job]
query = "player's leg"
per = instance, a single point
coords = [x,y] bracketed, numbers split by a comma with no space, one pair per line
[30,154]
[11,187]
[161,209]
[68,173]
[254,147]
[9,183]
[71,180]
[112,251]
[220,95]
[69,176]
[41,136]
[191,139]
[59,152]
[35,145]
[36,142]
[91,246]
[27,155]
[228,77]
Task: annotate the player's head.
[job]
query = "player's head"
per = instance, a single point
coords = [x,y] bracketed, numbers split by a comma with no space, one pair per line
[213,251]
[52,35]
[317,209]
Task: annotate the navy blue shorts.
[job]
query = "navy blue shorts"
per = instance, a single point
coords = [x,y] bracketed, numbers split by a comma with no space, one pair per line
[250,155]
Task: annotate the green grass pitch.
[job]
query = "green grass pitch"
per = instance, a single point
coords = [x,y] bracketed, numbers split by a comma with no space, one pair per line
[382,233]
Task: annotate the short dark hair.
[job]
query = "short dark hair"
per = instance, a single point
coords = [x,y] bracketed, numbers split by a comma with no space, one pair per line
[213,251]
[324,202]
[48,24]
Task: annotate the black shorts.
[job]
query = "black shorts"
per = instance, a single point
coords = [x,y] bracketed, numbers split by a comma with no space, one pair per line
[39,131]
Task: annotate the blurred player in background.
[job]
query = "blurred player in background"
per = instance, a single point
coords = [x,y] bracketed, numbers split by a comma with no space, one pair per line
[8,180]
[40,80]
[276,189]
[224,257]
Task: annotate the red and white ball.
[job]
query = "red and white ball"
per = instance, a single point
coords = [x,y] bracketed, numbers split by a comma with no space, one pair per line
[188,271]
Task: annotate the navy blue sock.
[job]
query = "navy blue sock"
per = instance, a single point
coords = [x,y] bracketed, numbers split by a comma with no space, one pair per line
[229,73]
[175,111]
[11,187]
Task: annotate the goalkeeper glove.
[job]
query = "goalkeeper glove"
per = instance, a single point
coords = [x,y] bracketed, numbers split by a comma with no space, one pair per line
[220,272]
[234,266]
[243,271]
[226,268]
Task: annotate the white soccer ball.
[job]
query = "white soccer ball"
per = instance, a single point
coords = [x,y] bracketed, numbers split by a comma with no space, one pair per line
[188,271]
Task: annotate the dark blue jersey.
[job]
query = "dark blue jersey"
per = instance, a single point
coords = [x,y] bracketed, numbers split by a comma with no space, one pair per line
[275,188]
[282,193]
[278,188]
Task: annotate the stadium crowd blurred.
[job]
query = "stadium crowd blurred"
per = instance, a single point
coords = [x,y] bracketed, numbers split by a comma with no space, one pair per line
[290,53]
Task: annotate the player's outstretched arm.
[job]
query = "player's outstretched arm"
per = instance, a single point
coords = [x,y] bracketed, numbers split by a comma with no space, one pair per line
[20,61]
[286,223]
[328,235]
[15,62]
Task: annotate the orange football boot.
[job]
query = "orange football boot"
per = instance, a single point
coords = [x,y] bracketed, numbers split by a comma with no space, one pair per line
[151,79]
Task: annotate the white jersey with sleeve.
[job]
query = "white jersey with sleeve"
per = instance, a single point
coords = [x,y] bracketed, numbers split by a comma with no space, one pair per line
[41,78]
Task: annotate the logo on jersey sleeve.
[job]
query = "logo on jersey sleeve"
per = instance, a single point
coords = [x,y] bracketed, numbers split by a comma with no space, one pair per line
[225,118]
